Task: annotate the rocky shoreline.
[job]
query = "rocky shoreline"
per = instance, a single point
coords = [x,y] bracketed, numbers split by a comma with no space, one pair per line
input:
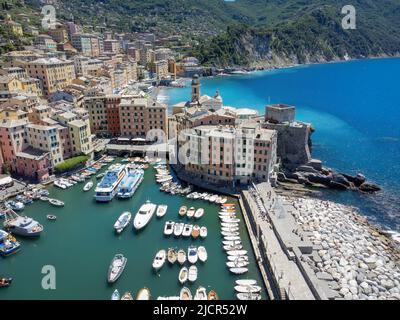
[358,260]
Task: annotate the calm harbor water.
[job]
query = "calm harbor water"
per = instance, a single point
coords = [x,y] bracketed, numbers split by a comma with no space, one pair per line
[82,242]
[355,109]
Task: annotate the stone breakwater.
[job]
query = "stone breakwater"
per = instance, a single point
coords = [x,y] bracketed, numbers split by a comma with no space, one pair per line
[362,262]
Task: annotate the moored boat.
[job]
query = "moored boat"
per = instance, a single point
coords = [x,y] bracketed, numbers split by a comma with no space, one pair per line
[116,268]
[115,296]
[130,183]
[8,244]
[22,226]
[159,260]
[202,253]
[144,215]
[187,230]
[203,232]
[5,282]
[195,231]
[246,282]
[212,295]
[199,213]
[193,271]
[192,254]
[56,202]
[169,228]
[51,217]
[178,229]
[182,211]
[181,256]
[122,222]
[190,213]
[248,296]
[161,210]
[238,270]
[248,289]
[144,294]
[237,253]
[201,294]
[88,186]
[183,275]
[185,294]
[172,256]
[107,188]
[127,296]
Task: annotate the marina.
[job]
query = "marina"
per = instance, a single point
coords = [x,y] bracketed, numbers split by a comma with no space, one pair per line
[91,243]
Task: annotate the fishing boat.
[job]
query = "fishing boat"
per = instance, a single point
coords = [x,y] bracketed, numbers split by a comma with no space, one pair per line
[144,215]
[88,186]
[51,217]
[172,256]
[192,254]
[212,295]
[15,205]
[178,229]
[22,226]
[181,256]
[238,270]
[144,294]
[107,188]
[199,213]
[169,228]
[127,296]
[8,244]
[182,211]
[56,203]
[203,232]
[122,222]
[190,213]
[193,271]
[248,289]
[115,296]
[195,231]
[246,282]
[202,253]
[130,184]
[183,275]
[159,260]
[116,268]
[201,294]
[161,210]
[185,294]
[237,253]
[5,282]
[187,230]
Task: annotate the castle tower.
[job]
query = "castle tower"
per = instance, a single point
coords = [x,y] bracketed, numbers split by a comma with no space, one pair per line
[195,88]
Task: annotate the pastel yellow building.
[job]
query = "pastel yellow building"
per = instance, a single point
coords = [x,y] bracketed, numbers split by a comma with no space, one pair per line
[80,134]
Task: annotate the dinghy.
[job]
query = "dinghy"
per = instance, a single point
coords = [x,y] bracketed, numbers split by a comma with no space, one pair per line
[172,256]
[201,294]
[183,275]
[196,231]
[202,253]
[229,224]
[248,296]
[181,256]
[238,270]
[248,289]
[51,217]
[178,229]
[182,211]
[122,222]
[231,238]
[127,296]
[116,268]
[237,264]
[229,229]
[229,233]
[237,253]
[144,294]
[88,186]
[192,273]
[231,243]
[185,294]
[190,213]
[187,230]
[230,220]
[161,210]
[246,282]
[56,203]
[115,295]
[159,260]
[238,258]
[192,254]
[203,232]
[169,228]
[199,213]
[212,295]
[233,247]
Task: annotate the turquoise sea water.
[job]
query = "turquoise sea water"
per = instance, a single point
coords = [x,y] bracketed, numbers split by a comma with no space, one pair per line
[355,108]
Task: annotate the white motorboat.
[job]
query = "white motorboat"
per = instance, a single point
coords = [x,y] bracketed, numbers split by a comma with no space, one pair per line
[233,247]
[144,215]
[159,260]
[172,256]
[127,296]
[164,179]
[22,226]
[229,224]
[88,186]
[248,296]
[161,210]
[144,294]
[231,238]
[60,185]
[237,253]
[237,258]
[190,213]
[237,264]
[169,228]
[116,268]
[192,273]
[178,229]
[238,270]
[203,232]
[56,203]
[183,275]
[230,220]
[115,296]
[230,229]
[199,213]
[202,253]
[201,294]
[181,257]
[192,254]
[248,289]
[187,230]
[246,282]
[213,198]
[231,243]
[122,222]
[185,294]
[182,211]
[229,233]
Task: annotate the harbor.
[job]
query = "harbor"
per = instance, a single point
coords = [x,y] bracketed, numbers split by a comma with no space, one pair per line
[80,243]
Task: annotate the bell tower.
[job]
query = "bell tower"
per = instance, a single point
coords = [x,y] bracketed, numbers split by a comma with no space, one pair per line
[195,88]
